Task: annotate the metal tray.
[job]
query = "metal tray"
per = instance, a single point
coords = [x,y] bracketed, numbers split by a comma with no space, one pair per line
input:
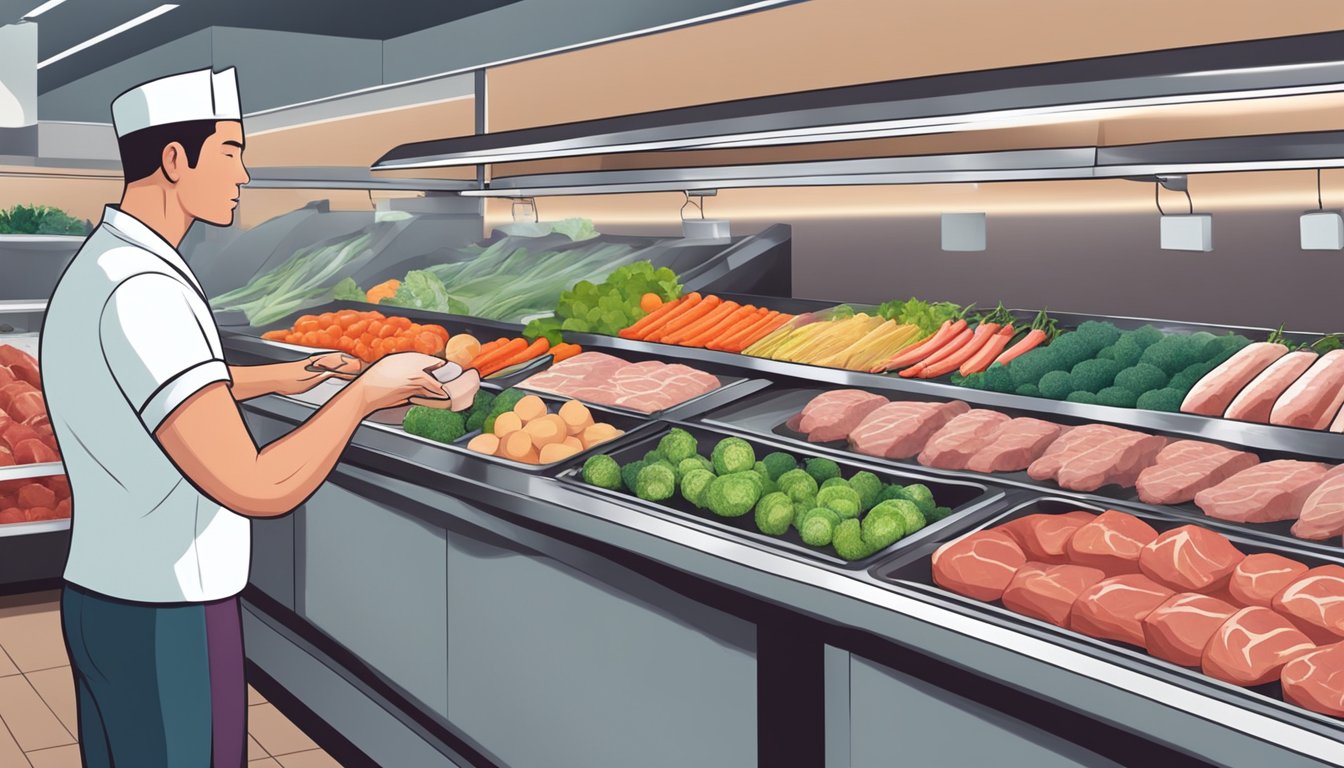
[961,495]
[912,568]
[767,413]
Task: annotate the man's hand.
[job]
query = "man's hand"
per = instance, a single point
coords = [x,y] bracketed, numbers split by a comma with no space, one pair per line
[395,379]
[292,378]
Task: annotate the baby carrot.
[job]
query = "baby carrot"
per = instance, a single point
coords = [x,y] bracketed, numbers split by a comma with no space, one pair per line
[687,303]
[733,321]
[697,327]
[503,351]
[657,315]
[528,352]
[739,341]
[704,307]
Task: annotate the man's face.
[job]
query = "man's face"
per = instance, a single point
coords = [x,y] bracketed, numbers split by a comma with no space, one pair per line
[209,192]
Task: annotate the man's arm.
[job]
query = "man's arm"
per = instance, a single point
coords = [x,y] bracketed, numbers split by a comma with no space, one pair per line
[290,378]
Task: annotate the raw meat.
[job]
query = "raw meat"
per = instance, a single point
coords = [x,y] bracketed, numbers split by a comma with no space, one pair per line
[1043,537]
[35,451]
[1314,399]
[1256,401]
[6,457]
[26,405]
[1112,542]
[1315,680]
[1252,647]
[1323,512]
[27,371]
[899,430]
[1274,490]
[1190,559]
[15,433]
[1047,592]
[1114,609]
[9,391]
[6,376]
[1315,603]
[831,416]
[1258,578]
[1016,445]
[953,446]
[979,565]
[606,380]
[1094,455]
[1178,629]
[10,354]
[1213,393]
[1186,467]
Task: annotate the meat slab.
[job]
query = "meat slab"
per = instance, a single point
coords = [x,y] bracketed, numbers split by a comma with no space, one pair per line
[1274,490]
[1048,592]
[979,565]
[1114,608]
[1212,394]
[961,438]
[1258,578]
[1256,402]
[1091,456]
[1112,542]
[1315,680]
[1178,629]
[602,379]
[1044,537]
[1190,559]
[1313,400]
[832,415]
[1015,446]
[1315,603]
[1322,514]
[1186,467]
[899,430]
[1252,647]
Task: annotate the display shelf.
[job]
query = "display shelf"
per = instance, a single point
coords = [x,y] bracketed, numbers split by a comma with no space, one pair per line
[26,471]
[34,528]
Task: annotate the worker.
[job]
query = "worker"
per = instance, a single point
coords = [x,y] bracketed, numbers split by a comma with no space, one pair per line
[163,470]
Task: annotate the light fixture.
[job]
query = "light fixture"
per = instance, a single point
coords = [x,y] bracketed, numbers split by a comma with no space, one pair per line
[113,32]
[41,9]
[702,228]
[1321,230]
[1182,232]
[963,231]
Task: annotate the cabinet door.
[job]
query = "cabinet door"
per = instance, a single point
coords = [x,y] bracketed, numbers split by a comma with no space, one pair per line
[272,569]
[555,667]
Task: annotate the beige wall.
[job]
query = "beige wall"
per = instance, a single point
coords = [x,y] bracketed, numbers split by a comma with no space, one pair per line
[80,195]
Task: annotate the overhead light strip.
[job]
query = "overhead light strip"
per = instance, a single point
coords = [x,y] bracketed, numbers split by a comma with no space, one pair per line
[41,9]
[113,32]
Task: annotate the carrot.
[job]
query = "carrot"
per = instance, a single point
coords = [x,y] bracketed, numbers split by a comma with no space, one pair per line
[562,352]
[724,309]
[938,355]
[685,305]
[945,333]
[530,351]
[504,351]
[634,331]
[986,354]
[724,341]
[730,323]
[684,319]
[756,332]
[983,333]
[1042,328]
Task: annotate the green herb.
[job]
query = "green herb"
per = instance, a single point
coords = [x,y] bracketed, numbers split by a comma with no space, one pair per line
[608,307]
[927,315]
[39,220]
[306,280]
[423,290]
[347,290]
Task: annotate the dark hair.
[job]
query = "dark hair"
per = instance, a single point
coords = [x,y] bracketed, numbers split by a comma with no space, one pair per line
[142,150]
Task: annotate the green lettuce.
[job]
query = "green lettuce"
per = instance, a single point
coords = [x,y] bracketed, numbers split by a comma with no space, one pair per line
[347,290]
[424,290]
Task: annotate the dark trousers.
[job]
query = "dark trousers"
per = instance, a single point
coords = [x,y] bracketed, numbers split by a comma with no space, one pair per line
[157,685]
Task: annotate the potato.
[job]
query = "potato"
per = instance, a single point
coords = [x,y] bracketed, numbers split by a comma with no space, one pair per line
[546,430]
[556,452]
[598,433]
[530,408]
[462,349]
[577,417]
[575,442]
[518,446]
[507,423]
[484,443]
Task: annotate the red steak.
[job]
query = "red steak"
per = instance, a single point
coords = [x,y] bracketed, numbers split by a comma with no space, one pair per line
[1315,603]
[7,376]
[18,432]
[34,451]
[9,391]
[953,446]
[1252,647]
[1323,512]
[1274,490]
[899,430]
[832,415]
[1114,609]
[1047,592]
[1178,629]
[1315,680]
[1111,542]
[1043,537]
[979,565]
[27,371]
[10,354]
[1187,467]
[26,406]
[1190,559]
[1016,445]
[1258,578]
[1094,455]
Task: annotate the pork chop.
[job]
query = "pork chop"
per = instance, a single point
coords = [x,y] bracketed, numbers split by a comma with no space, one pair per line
[953,446]
[1186,467]
[1273,490]
[1252,647]
[1178,629]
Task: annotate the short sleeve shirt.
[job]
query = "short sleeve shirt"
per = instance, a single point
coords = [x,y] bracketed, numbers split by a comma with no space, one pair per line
[129,337]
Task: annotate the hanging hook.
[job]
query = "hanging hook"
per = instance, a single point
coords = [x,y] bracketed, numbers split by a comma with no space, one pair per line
[1157,198]
[698,204]
[1189,202]
[528,201]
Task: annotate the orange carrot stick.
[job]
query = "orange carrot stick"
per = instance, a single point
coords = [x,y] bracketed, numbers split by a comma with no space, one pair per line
[562,352]
[747,336]
[704,307]
[687,302]
[509,349]
[528,352]
[732,323]
[653,317]
[757,318]
[710,320]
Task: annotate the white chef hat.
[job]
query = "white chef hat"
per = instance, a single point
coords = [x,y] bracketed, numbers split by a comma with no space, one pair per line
[199,95]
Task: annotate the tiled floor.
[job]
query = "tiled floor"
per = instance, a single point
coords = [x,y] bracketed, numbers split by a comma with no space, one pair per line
[37,699]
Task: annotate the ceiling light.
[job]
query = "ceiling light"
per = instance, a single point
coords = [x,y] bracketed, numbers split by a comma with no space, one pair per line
[113,32]
[963,231]
[41,9]
[1184,232]
[1321,230]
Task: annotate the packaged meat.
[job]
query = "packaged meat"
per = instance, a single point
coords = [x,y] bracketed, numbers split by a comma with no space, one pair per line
[1313,401]
[1112,543]
[1114,608]
[961,438]
[1252,647]
[1048,592]
[979,565]
[1190,559]
[1322,514]
[1315,603]
[1179,629]
[1015,446]
[899,430]
[607,380]
[1212,394]
[1267,492]
[1315,680]
[1186,467]
[1095,455]
[1258,578]
[1256,402]
[832,415]
[1044,537]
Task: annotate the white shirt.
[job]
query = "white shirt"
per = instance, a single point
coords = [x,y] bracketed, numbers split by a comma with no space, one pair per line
[127,338]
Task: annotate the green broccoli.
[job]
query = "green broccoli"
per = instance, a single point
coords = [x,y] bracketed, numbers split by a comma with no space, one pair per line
[843,500]
[694,462]
[937,514]
[1028,390]
[1094,375]
[910,515]
[1141,378]
[1107,353]
[732,495]
[1117,397]
[800,511]
[603,471]
[818,526]
[774,514]
[892,491]
[438,424]
[1082,396]
[881,531]
[1175,352]
[1071,349]
[1224,347]
[480,410]
[869,487]
[1145,336]
[920,495]
[1097,334]
[1056,385]
[1029,368]
[798,484]
[1190,376]
[733,454]
[1000,378]
[1127,352]
[694,484]
[975,380]
[503,403]
[831,482]
[777,463]
[1203,345]
[656,455]
[656,482]
[849,542]
[821,469]
[629,473]
[678,445]
[1161,400]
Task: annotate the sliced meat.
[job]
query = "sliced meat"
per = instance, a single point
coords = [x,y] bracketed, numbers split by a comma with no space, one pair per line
[27,371]
[1256,401]
[1213,393]
[6,376]
[1095,455]
[9,391]
[1315,398]
[1047,592]
[1178,629]
[1315,680]
[1043,537]
[10,354]
[1322,514]
[1186,467]
[1112,542]
[1190,559]
[979,565]
[1252,647]
[1315,603]
[606,380]
[1016,445]
[1273,490]
[17,432]
[961,438]
[1258,578]
[1114,608]
[35,451]
[899,430]
[26,405]
[832,415]
[6,457]
[35,494]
